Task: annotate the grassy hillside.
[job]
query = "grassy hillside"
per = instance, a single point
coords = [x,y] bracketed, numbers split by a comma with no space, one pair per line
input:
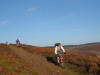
[75,64]
[11,64]
[28,63]
[81,63]
[92,49]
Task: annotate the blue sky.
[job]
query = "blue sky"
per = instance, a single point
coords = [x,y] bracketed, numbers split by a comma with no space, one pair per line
[45,22]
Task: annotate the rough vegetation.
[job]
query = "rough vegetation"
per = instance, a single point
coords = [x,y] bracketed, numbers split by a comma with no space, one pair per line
[82,63]
[75,64]
[11,64]
[87,64]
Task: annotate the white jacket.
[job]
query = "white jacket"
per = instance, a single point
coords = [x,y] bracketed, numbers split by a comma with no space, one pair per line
[59,48]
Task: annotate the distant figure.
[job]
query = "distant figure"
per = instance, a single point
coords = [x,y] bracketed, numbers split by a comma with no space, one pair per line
[6,43]
[17,42]
[58,48]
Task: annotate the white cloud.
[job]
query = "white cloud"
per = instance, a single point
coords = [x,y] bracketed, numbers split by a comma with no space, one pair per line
[30,11]
[3,21]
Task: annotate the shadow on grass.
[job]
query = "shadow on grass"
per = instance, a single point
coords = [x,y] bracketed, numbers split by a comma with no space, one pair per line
[51,59]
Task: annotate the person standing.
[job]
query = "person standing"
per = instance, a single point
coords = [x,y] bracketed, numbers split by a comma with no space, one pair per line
[17,42]
[6,43]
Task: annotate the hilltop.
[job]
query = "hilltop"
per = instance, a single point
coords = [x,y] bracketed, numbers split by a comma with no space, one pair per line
[33,60]
[92,49]
[82,63]
[23,61]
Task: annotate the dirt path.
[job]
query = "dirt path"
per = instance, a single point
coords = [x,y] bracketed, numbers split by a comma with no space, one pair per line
[39,63]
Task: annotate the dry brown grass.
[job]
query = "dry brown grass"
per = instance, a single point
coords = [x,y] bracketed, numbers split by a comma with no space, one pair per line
[88,64]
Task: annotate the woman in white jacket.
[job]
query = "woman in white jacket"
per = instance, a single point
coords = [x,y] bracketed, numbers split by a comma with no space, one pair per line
[58,48]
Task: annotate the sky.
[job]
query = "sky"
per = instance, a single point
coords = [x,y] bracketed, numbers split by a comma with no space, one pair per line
[46,22]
